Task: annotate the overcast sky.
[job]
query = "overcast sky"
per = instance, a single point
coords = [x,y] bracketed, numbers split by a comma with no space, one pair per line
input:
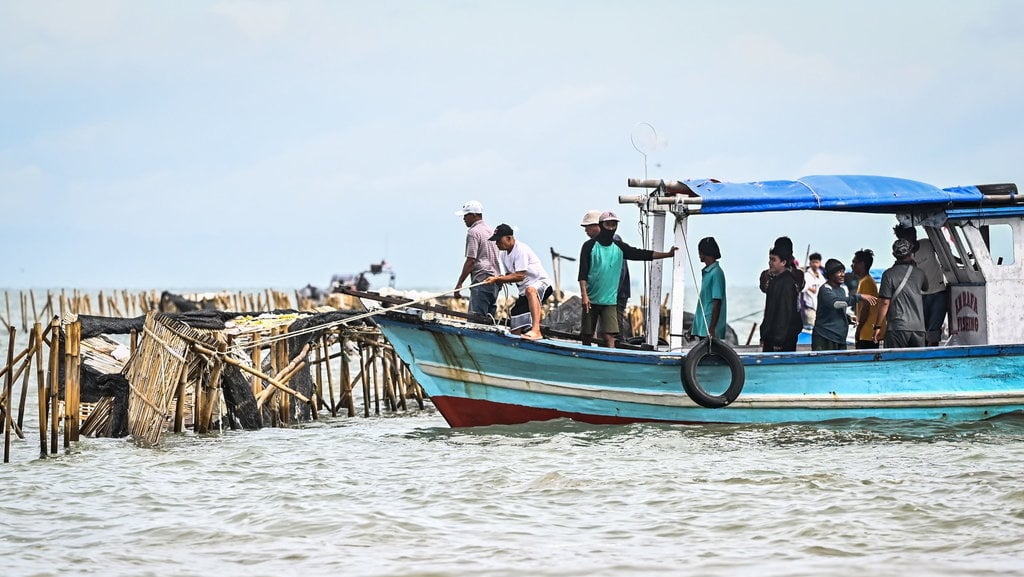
[273,144]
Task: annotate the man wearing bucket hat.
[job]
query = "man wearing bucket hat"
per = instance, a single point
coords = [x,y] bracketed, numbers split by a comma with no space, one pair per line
[481,260]
[831,324]
[600,271]
[900,295]
[592,227]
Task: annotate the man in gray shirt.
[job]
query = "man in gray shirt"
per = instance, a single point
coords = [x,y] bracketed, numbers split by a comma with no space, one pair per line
[901,301]
[481,260]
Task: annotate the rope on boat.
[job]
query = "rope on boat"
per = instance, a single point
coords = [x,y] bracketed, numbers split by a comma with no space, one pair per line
[696,288]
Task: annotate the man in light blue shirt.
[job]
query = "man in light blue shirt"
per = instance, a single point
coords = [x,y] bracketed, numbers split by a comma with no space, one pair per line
[711,308]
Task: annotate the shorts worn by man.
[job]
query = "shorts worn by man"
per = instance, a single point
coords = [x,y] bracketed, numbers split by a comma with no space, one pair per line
[481,261]
[600,269]
[525,269]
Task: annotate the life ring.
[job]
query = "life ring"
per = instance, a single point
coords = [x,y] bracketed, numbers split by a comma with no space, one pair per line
[712,347]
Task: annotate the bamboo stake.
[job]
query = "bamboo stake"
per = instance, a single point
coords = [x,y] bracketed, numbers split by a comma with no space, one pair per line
[32,297]
[7,393]
[283,403]
[257,385]
[376,376]
[366,380]
[52,383]
[32,344]
[103,304]
[40,388]
[179,404]
[346,377]
[67,381]
[114,309]
[386,381]
[24,311]
[357,380]
[3,318]
[198,400]
[396,378]
[72,376]
[314,400]
[213,388]
[330,378]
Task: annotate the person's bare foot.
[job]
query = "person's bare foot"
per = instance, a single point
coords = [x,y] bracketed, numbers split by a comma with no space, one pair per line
[531,336]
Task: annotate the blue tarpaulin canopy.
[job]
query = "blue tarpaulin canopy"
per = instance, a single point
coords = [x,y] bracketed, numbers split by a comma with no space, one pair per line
[842,192]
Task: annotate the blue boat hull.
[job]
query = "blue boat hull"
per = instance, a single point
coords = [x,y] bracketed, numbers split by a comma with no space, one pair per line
[479,377]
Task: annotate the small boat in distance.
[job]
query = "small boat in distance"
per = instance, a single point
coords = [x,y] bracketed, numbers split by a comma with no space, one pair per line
[481,375]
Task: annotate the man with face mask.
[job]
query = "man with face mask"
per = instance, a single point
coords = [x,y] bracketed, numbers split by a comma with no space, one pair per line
[600,268]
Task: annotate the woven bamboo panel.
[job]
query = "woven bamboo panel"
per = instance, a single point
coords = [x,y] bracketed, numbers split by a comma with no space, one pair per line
[155,370]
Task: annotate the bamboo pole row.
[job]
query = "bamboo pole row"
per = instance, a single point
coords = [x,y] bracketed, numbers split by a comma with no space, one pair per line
[342,363]
[19,366]
[128,304]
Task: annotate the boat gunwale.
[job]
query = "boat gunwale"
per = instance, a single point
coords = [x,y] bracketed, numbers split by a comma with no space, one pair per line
[749,358]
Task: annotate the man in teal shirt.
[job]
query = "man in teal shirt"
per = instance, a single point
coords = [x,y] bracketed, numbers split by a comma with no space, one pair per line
[711,309]
[600,268]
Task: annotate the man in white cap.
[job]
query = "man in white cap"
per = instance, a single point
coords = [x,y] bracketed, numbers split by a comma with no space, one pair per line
[481,261]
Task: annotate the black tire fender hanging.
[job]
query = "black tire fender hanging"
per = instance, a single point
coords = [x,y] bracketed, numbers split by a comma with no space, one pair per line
[712,347]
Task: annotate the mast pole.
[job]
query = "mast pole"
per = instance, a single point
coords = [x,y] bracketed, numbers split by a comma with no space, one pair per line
[675,322]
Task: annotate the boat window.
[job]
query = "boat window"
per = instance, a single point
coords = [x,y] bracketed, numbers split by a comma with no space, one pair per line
[963,258]
[999,238]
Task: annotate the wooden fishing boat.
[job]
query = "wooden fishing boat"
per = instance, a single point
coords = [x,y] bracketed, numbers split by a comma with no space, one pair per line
[481,375]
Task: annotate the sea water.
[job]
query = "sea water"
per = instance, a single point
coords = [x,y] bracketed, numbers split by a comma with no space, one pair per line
[408,496]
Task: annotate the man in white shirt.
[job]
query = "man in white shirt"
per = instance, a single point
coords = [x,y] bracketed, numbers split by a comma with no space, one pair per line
[524,268]
[813,280]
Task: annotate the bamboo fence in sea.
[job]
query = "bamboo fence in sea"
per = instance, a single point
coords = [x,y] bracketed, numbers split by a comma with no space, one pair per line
[176,373]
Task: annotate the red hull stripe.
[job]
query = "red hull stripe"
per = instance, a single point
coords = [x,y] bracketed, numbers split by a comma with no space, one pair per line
[462,412]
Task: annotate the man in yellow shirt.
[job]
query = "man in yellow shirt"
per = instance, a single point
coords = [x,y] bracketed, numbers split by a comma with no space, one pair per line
[867,314]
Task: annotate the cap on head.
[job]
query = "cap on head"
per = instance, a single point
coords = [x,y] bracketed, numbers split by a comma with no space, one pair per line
[608,216]
[902,248]
[500,231]
[709,247]
[832,266]
[592,217]
[471,207]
